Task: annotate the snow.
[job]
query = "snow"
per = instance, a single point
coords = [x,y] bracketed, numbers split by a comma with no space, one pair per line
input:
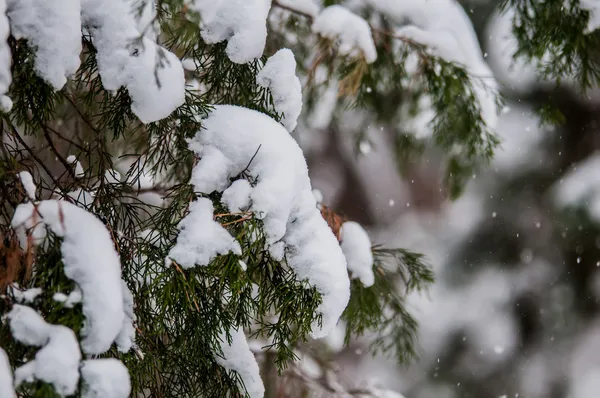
[501,46]
[152,75]
[201,238]
[237,196]
[53,29]
[105,377]
[356,246]
[27,295]
[446,30]
[92,263]
[236,140]
[243,23]
[238,357]
[593,6]
[28,184]
[126,337]
[57,362]
[351,32]
[279,76]
[308,7]
[71,159]
[5,59]
[70,300]
[6,379]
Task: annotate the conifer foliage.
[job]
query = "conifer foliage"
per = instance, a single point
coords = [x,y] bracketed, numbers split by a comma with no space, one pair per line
[157,217]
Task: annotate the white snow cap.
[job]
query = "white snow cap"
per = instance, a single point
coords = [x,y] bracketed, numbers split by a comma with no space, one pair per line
[351,32]
[238,357]
[153,76]
[279,76]
[53,29]
[237,196]
[71,159]
[106,377]
[5,59]
[356,246]
[236,139]
[243,23]
[593,6]
[6,379]
[57,362]
[126,337]
[444,27]
[28,184]
[201,238]
[90,259]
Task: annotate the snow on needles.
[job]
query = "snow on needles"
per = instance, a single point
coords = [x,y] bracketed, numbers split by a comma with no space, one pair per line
[238,357]
[90,259]
[236,140]
[105,377]
[57,362]
[279,76]
[53,28]
[444,27]
[28,184]
[201,238]
[6,380]
[356,246]
[351,32]
[125,59]
[243,23]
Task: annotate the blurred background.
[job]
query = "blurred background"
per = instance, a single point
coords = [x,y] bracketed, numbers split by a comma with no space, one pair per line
[514,311]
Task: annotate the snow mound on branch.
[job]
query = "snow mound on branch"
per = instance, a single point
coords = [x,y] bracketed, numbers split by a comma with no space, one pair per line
[237,196]
[53,29]
[279,76]
[238,357]
[243,23]
[446,30]
[126,337]
[28,184]
[356,246]
[593,6]
[6,380]
[153,76]
[236,140]
[351,32]
[90,259]
[105,377]
[57,362]
[201,238]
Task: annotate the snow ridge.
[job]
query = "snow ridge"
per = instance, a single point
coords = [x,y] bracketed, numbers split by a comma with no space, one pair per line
[243,23]
[125,59]
[356,246]
[444,27]
[237,139]
[279,76]
[201,238]
[92,263]
[351,32]
[53,28]
[238,357]
[57,362]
